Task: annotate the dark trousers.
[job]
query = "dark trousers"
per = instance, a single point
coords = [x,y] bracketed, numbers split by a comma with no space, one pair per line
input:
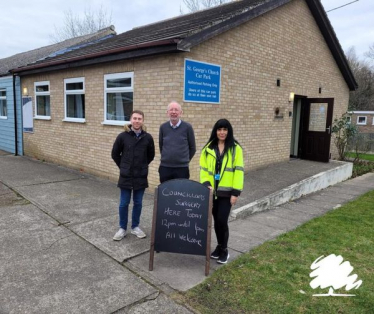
[221,212]
[169,173]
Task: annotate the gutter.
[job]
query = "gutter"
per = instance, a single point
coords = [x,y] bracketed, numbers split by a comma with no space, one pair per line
[96,55]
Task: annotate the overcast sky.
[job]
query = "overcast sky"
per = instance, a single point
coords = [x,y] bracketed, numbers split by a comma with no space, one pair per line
[26,25]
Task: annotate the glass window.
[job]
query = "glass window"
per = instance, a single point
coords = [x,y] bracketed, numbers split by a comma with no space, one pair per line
[74,86]
[42,100]
[317,117]
[75,100]
[75,106]
[361,120]
[3,110]
[119,93]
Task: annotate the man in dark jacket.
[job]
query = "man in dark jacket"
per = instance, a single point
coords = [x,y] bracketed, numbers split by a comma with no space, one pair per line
[132,151]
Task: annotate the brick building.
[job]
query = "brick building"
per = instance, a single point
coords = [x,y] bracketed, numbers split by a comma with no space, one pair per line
[12,105]
[364,120]
[280,69]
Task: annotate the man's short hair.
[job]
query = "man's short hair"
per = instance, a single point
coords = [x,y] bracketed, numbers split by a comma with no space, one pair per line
[174,102]
[138,112]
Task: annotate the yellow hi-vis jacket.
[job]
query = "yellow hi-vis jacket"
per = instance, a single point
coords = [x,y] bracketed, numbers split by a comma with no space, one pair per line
[232,171]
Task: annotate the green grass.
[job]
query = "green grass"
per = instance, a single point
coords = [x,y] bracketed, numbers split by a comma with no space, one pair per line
[369,157]
[269,278]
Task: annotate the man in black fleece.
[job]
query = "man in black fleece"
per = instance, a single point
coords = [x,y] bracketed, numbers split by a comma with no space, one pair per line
[132,152]
[177,145]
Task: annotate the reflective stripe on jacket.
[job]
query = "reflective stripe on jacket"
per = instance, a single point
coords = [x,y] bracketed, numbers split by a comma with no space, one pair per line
[232,171]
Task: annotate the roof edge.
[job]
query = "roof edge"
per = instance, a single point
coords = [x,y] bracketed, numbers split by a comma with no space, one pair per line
[229,24]
[332,41]
[93,55]
[129,54]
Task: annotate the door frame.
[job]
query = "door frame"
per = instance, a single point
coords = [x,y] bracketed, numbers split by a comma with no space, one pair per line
[313,138]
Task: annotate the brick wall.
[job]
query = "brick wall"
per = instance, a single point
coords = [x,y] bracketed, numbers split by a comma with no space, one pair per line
[368,127]
[284,44]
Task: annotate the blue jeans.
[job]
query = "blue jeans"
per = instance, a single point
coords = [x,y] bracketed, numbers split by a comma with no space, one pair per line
[124,207]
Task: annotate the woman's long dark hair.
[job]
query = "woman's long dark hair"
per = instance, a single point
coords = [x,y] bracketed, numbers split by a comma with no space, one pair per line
[230,140]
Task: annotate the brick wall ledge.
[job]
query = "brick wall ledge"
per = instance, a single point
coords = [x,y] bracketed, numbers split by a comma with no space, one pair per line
[312,184]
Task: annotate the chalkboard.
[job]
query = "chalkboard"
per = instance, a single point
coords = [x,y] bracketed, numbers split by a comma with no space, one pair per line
[182,218]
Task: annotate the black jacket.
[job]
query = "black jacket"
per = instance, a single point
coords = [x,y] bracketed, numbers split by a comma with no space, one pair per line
[132,155]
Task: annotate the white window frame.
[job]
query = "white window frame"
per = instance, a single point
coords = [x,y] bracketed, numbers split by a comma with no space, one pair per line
[373,120]
[362,123]
[74,92]
[349,119]
[4,98]
[118,90]
[42,94]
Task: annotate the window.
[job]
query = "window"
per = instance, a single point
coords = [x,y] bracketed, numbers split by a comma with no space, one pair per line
[74,100]
[3,112]
[42,100]
[118,97]
[361,120]
[349,120]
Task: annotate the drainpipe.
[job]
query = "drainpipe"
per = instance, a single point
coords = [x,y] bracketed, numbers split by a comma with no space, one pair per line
[15,116]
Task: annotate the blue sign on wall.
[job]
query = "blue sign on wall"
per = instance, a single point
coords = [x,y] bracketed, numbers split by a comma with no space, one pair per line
[202,82]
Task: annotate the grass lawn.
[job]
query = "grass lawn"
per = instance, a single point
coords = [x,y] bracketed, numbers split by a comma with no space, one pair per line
[369,157]
[269,278]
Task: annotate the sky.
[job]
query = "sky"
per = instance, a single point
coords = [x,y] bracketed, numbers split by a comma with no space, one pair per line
[27,25]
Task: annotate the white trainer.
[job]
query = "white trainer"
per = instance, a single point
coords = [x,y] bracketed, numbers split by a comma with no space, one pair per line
[138,232]
[121,233]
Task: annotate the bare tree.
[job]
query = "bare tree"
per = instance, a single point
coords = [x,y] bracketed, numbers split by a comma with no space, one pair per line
[370,53]
[196,5]
[75,25]
[363,97]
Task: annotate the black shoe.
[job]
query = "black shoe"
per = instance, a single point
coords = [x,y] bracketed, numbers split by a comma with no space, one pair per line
[216,253]
[224,256]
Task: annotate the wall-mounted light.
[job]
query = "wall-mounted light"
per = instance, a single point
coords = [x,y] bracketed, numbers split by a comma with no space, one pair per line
[25,92]
[292,97]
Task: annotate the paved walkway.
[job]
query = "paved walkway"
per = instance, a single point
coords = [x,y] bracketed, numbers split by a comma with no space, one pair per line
[56,230]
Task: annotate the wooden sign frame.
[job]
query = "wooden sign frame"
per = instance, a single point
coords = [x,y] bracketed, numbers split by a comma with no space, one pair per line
[208,235]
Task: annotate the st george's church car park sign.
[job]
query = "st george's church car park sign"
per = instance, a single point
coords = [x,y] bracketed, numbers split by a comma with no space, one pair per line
[202,82]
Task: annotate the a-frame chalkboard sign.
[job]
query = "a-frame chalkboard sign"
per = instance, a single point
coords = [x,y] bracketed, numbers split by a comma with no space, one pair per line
[182,219]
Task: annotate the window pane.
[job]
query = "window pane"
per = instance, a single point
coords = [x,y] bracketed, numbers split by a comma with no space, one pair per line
[75,106]
[3,108]
[317,117]
[120,82]
[361,119]
[2,93]
[43,105]
[119,106]
[42,88]
[74,86]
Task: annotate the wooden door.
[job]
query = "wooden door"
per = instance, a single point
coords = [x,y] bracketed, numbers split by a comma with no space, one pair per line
[316,128]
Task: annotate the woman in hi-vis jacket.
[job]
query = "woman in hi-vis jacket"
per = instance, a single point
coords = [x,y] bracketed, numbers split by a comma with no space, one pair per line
[222,169]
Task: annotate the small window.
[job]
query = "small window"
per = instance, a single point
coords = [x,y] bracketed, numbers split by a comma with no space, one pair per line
[118,97]
[3,110]
[74,100]
[349,120]
[361,120]
[42,100]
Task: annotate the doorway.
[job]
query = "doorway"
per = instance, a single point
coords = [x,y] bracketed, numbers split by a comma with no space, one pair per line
[295,135]
[311,128]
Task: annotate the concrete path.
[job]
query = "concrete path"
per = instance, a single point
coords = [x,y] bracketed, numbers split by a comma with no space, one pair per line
[58,255]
